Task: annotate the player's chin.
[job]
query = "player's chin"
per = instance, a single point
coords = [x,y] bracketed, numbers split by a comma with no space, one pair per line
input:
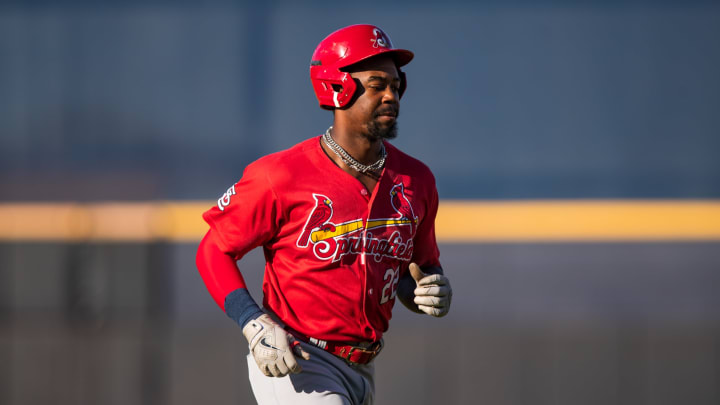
[381,128]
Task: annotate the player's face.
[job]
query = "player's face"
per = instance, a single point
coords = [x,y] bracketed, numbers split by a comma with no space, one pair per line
[376,107]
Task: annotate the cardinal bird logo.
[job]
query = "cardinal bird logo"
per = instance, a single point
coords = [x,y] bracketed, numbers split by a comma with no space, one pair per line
[318,219]
[401,204]
[335,240]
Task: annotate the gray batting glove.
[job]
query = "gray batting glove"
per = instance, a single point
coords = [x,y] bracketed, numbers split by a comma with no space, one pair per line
[433,293]
[274,349]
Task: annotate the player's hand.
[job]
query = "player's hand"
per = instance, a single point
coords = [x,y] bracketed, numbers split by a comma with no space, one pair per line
[274,349]
[433,293]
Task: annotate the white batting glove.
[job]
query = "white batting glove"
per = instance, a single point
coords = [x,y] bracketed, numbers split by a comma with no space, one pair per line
[433,293]
[272,347]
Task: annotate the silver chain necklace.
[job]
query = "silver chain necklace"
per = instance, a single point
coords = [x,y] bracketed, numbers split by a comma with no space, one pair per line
[371,169]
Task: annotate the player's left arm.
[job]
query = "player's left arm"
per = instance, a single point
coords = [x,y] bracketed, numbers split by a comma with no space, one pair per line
[425,290]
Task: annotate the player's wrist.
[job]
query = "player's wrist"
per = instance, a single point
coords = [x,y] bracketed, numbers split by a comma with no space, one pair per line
[241,307]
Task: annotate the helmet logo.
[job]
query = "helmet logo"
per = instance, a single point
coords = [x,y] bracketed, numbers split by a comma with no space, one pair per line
[380,39]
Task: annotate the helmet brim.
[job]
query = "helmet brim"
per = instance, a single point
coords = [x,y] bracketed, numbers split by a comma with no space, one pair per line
[402,56]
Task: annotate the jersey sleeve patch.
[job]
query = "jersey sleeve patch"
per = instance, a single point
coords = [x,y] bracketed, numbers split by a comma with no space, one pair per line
[226,198]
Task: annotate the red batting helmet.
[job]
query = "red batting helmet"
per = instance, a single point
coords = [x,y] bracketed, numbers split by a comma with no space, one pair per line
[343,48]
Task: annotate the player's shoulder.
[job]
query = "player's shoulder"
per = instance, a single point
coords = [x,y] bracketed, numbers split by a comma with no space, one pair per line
[403,162]
[286,158]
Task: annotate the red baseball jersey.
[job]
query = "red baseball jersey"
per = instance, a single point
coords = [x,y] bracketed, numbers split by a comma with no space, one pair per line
[334,252]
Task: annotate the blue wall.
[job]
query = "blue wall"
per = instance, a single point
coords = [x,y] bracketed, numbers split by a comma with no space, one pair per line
[505,100]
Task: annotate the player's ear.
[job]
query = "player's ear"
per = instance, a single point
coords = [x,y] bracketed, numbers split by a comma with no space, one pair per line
[403,83]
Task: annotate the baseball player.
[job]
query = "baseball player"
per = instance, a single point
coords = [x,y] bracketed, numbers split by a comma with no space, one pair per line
[346,222]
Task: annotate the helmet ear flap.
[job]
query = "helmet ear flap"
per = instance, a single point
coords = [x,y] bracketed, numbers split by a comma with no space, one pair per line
[334,90]
[342,98]
[403,83]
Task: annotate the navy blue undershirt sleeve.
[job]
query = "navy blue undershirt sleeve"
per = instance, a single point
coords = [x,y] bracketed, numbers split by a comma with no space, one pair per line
[241,307]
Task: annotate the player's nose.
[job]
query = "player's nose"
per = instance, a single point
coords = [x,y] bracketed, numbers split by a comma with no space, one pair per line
[390,95]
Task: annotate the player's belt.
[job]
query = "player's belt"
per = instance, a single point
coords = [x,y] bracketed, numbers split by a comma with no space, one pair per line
[350,353]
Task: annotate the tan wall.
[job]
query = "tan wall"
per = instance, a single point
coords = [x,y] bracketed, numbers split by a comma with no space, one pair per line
[531,323]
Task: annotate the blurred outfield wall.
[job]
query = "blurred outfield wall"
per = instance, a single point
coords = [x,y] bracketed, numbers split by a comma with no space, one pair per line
[574,143]
[164,100]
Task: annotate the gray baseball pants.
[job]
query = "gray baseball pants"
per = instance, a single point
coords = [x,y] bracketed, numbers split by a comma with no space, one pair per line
[325,379]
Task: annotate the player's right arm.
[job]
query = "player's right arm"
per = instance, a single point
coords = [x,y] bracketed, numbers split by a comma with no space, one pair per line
[272,347]
[224,281]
